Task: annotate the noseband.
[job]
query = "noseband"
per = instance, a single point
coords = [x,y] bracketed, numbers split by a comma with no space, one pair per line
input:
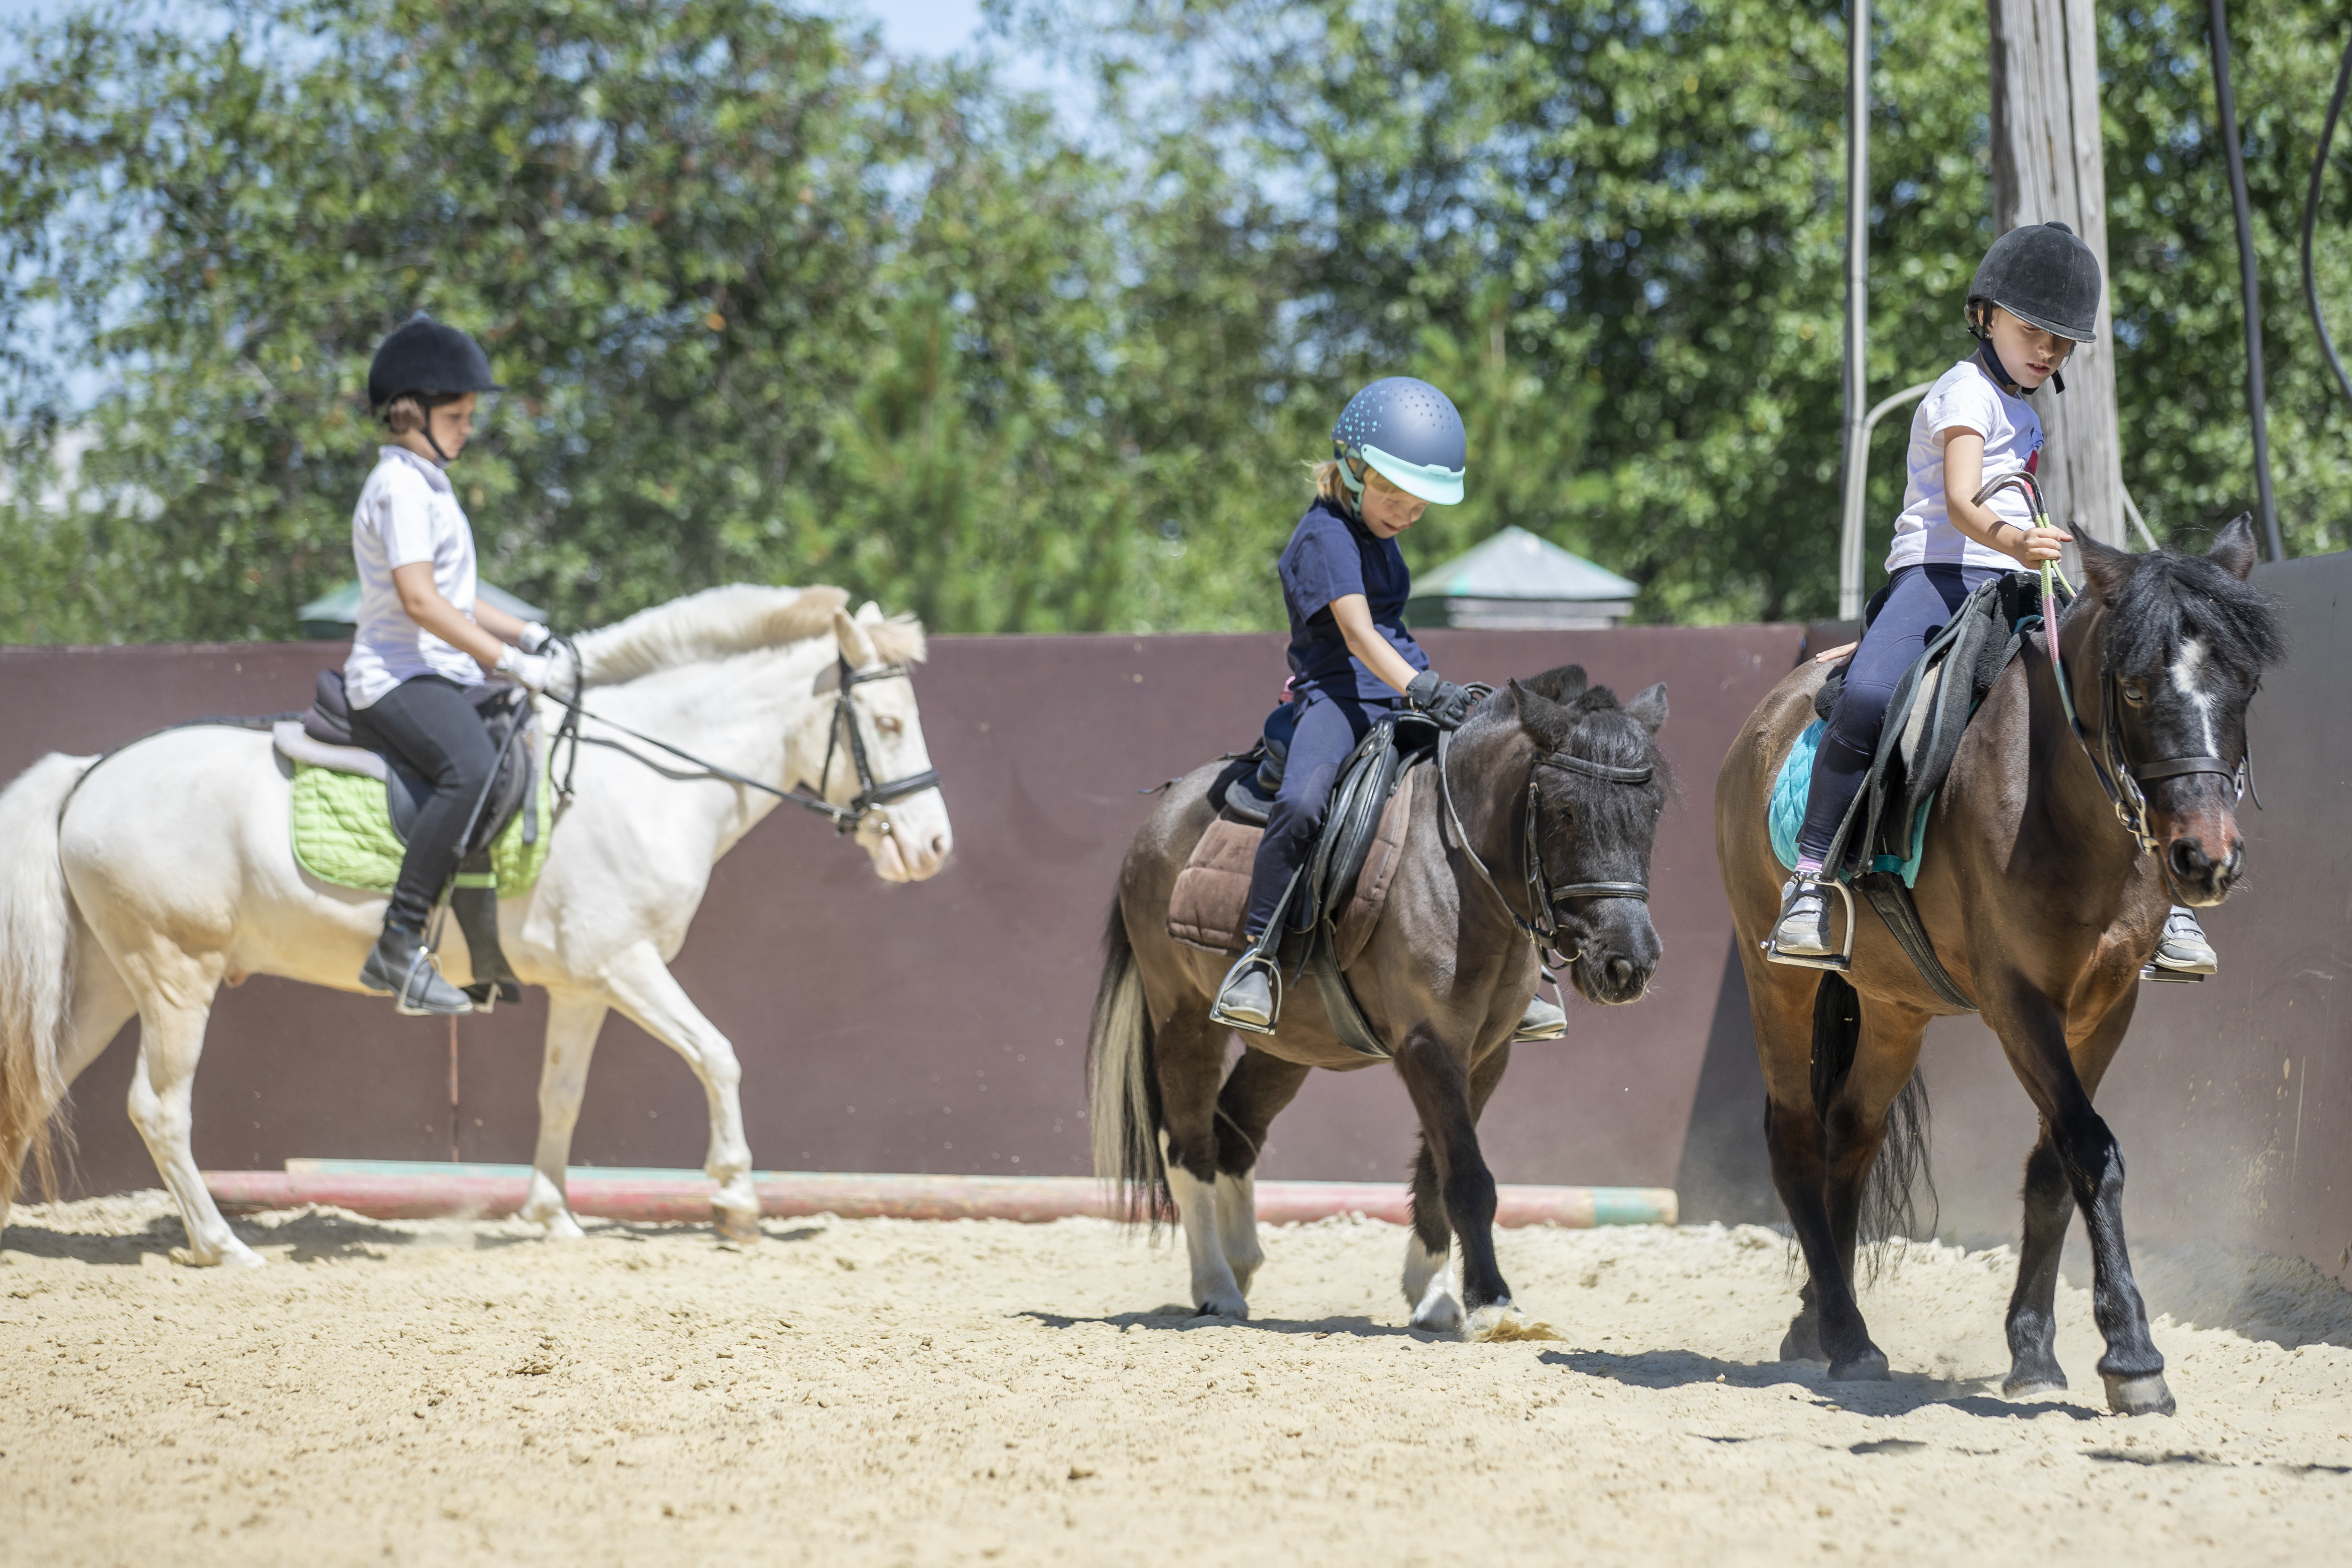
[1543,898]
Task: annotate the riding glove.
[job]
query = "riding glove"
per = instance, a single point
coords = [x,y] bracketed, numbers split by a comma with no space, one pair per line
[533,671]
[1442,701]
[535,638]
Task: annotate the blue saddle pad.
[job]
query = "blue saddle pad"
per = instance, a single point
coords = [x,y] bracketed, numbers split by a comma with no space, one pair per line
[1786,814]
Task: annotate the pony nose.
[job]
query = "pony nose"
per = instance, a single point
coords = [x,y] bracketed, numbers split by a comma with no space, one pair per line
[1624,975]
[2195,873]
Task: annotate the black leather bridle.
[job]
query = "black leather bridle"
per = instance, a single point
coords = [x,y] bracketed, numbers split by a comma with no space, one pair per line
[1543,895]
[845,818]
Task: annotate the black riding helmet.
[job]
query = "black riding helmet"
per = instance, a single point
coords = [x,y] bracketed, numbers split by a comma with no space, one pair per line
[2045,275]
[430,362]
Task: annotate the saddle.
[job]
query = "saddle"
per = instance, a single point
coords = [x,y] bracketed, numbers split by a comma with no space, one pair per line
[1344,883]
[1877,847]
[322,737]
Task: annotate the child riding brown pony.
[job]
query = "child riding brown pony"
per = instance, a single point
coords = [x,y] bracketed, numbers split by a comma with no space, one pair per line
[2062,835]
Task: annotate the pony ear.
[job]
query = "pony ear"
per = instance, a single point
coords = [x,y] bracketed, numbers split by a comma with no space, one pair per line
[856,648]
[1650,707]
[2106,569]
[1563,684]
[2233,547]
[1542,718]
[869,614]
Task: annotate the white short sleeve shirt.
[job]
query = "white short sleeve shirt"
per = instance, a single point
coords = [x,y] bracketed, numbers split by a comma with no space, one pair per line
[1964,396]
[407,514]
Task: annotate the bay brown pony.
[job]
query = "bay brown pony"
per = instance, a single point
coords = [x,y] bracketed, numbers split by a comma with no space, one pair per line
[1442,981]
[2042,906]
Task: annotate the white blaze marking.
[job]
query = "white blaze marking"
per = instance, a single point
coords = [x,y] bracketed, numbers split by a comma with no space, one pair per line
[2186,670]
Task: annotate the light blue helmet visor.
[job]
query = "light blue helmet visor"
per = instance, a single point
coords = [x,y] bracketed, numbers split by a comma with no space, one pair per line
[1438,487]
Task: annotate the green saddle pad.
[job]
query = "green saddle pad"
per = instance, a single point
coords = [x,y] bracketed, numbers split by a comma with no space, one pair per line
[342,834]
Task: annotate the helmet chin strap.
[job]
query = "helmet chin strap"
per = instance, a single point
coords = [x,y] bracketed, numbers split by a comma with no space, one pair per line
[2001,371]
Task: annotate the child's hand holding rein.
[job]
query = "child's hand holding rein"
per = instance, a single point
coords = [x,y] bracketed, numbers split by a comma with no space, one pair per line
[1963,476]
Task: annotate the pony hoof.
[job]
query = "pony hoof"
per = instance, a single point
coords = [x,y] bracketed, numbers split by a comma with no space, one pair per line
[1438,1313]
[1227,1309]
[2138,1395]
[234,1254]
[2033,1384]
[1802,1341]
[737,1225]
[560,1226]
[1868,1367]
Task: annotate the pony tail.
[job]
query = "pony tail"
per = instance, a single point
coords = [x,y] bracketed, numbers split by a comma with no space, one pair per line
[36,930]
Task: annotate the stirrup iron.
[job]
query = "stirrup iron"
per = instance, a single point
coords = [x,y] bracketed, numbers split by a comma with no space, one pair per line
[1838,963]
[1260,955]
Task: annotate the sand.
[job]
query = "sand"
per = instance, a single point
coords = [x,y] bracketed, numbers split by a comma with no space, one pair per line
[891,1392]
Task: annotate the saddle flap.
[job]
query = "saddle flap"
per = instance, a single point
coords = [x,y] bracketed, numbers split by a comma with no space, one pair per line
[1353,930]
[1210,898]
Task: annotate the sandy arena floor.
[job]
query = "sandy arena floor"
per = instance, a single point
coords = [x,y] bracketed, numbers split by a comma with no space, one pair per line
[890,1392]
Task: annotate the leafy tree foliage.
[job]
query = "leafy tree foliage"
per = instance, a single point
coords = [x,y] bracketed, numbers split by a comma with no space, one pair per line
[771,306]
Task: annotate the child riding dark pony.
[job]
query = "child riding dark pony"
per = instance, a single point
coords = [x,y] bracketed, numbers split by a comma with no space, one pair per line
[2034,298]
[1398,448]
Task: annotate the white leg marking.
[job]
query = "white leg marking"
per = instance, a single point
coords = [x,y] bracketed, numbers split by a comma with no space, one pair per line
[1429,1287]
[2187,674]
[1237,1227]
[1214,1289]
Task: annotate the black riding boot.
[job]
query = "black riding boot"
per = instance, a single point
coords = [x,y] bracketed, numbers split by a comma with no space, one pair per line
[402,967]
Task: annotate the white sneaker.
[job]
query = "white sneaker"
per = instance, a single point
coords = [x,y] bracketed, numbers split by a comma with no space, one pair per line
[1803,930]
[2183,948]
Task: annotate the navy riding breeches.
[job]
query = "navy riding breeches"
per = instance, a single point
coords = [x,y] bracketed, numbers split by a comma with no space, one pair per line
[427,723]
[1329,728]
[1916,603]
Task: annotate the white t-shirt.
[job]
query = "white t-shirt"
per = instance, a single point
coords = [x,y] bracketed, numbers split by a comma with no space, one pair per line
[407,514]
[1966,397]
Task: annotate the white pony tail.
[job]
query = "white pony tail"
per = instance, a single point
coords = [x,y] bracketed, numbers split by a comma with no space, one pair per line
[36,966]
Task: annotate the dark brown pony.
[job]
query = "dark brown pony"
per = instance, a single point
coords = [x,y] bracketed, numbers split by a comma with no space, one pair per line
[2042,905]
[1443,981]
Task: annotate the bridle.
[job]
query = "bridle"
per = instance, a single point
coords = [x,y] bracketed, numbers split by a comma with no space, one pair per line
[2119,776]
[1545,931]
[870,795]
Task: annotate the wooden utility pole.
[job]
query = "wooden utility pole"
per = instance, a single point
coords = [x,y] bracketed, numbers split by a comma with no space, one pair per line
[2045,166]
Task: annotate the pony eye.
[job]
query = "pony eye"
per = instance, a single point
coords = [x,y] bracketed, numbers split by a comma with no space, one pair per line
[890,724]
[2136,694]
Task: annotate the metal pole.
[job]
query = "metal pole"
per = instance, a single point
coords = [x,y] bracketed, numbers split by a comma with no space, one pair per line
[2227,104]
[1857,298]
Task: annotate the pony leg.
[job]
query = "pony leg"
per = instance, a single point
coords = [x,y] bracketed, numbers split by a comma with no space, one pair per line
[641,987]
[1189,1058]
[2033,1325]
[2091,1162]
[1805,1169]
[174,992]
[574,1019]
[1447,1101]
[1254,1093]
[1428,1253]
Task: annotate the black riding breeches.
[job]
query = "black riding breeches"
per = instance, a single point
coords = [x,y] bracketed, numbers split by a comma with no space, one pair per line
[1329,728]
[428,723]
[1916,603]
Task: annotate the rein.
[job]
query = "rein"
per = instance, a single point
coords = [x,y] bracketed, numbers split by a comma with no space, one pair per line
[846,819]
[1543,897]
[2111,761]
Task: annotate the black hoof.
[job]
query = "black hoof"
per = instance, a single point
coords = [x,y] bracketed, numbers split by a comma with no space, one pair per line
[1868,1367]
[2138,1395]
[2023,1384]
[1803,1340]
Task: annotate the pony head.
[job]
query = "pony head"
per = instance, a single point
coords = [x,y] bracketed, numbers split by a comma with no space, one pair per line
[909,837]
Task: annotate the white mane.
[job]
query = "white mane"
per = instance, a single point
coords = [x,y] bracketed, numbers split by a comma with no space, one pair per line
[740,617]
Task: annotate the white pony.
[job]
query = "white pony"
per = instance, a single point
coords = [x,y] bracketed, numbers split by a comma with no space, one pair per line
[140,886]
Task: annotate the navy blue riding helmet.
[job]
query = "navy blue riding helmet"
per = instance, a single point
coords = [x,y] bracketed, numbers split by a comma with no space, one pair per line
[1410,433]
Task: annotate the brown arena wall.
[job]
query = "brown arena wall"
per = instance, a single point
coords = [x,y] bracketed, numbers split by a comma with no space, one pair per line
[939,1027]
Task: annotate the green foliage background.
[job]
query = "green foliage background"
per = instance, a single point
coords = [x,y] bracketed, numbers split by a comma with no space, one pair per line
[772,306]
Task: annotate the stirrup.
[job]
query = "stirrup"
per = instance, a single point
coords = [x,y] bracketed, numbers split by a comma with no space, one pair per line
[1254,958]
[1838,963]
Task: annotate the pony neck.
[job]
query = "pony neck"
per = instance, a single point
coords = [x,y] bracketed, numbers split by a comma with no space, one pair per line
[2074,797]
[745,712]
[1489,763]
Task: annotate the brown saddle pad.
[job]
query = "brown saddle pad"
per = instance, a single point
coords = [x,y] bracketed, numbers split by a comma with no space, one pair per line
[1212,894]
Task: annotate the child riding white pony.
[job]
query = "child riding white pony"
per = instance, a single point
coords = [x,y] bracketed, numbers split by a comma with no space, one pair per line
[139,886]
